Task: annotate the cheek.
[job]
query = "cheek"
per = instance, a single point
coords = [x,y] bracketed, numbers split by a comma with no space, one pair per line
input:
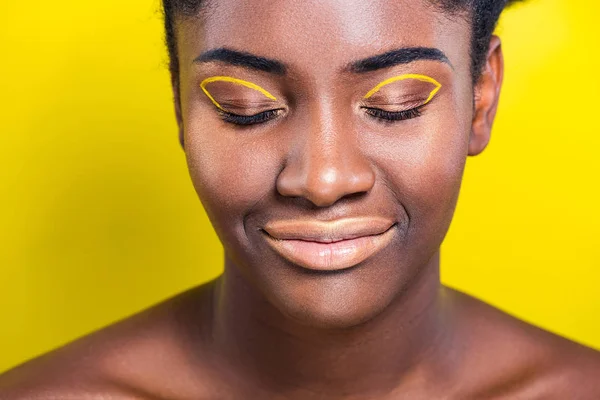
[231,169]
[425,166]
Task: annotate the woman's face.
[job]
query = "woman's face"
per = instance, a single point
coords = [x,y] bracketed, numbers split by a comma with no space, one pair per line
[328,151]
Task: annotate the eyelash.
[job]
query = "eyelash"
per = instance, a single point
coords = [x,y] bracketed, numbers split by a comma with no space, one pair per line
[245,120]
[265,116]
[393,116]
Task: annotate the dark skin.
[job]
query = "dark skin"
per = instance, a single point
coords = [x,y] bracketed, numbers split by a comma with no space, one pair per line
[268,329]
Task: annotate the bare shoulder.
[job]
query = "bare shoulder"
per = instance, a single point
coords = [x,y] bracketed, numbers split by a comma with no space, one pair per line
[131,359]
[517,360]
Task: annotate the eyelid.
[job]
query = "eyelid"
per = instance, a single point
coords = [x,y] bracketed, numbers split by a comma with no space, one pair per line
[404,105]
[247,106]
[423,78]
[232,80]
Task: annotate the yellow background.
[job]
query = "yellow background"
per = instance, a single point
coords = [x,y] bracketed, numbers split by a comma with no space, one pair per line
[99,219]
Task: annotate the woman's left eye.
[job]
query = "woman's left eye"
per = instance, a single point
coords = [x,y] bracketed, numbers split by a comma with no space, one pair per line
[245,120]
[392,116]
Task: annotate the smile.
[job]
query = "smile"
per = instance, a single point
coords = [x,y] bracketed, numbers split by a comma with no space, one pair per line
[329,246]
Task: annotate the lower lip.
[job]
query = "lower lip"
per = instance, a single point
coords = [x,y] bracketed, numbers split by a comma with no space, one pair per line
[331,256]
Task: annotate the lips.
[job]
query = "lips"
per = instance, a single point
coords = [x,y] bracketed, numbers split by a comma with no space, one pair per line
[329,246]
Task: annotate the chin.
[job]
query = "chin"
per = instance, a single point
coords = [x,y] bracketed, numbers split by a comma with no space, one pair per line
[336,301]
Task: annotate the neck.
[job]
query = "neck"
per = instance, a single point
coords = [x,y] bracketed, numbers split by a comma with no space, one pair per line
[396,348]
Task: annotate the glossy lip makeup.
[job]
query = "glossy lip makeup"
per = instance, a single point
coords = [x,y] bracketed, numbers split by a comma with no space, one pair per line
[419,77]
[235,81]
[329,246]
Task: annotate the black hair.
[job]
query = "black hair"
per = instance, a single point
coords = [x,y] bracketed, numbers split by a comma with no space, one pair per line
[482,14]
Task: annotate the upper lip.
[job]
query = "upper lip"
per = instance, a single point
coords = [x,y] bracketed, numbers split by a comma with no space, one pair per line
[327,231]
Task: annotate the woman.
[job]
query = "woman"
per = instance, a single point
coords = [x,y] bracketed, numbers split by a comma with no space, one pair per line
[327,142]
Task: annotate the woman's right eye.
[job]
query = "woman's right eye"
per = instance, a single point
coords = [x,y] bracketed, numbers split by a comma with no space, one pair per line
[246,120]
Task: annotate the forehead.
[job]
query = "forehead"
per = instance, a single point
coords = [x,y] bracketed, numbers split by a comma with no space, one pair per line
[323,34]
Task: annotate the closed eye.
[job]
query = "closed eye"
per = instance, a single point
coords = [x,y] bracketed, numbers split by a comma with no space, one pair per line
[393,116]
[245,120]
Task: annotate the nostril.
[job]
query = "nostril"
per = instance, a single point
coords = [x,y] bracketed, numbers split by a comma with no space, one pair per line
[323,194]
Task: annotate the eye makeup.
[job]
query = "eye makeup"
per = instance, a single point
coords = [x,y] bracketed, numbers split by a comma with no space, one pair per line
[234,81]
[377,109]
[400,102]
[423,78]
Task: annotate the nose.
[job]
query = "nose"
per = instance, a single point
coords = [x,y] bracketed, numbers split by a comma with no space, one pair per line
[325,163]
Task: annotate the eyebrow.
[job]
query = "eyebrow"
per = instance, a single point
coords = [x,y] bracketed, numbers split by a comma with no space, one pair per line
[391,58]
[243,59]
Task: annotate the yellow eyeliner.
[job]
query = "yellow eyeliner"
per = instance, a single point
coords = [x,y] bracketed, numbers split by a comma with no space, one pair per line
[232,80]
[419,77]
